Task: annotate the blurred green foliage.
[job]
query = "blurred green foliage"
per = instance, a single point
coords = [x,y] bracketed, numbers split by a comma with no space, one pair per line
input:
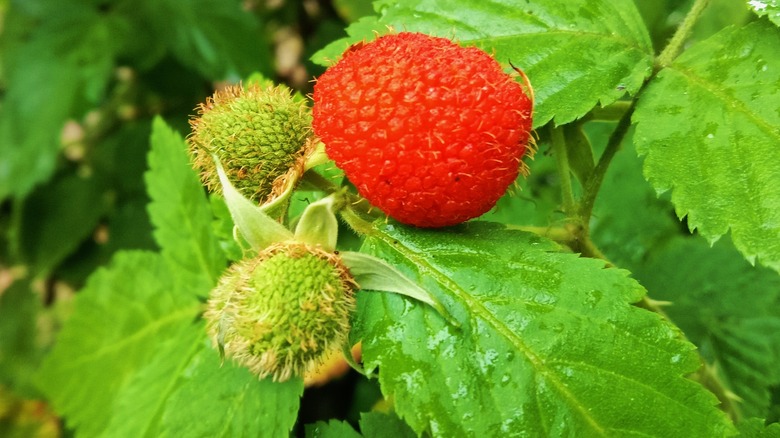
[80,81]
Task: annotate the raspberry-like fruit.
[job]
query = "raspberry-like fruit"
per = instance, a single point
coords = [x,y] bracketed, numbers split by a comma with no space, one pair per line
[283,312]
[258,133]
[430,132]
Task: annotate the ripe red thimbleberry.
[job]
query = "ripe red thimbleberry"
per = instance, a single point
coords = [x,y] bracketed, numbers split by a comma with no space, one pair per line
[430,132]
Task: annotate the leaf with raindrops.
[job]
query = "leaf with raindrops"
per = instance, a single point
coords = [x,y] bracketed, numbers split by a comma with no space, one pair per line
[709,125]
[548,342]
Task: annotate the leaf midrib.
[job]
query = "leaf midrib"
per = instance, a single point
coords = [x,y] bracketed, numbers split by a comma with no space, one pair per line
[186,313]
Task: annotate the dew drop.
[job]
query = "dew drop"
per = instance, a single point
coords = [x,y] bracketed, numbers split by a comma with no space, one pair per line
[593,297]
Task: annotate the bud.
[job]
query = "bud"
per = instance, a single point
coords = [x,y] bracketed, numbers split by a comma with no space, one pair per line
[260,135]
[281,313]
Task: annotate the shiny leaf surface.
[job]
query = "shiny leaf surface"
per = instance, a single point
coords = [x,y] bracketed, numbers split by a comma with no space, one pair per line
[710,127]
[549,344]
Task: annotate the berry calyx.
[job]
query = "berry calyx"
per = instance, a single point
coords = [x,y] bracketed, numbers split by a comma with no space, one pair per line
[430,132]
[259,134]
[283,312]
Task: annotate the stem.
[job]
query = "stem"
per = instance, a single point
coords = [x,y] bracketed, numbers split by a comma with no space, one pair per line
[592,186]
[675,45]
[707,376]
[562,162]
[319,182]
[609,113]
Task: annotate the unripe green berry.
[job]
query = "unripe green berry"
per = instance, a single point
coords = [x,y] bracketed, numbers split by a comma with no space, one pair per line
[259,135]
[282,312]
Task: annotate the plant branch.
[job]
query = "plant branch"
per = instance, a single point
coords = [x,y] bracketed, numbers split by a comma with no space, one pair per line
[592,186]
[564,172]
[319,182]
[675,45]
[609,113]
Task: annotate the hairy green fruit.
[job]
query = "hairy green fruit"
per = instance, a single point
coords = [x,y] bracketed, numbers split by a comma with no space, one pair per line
[259,135]
[282,312]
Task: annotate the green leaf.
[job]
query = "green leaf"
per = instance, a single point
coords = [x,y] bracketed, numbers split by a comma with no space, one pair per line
[120,319]
[139,404]
[379,425]
[576,54]
[57,217]
[549,344]
[739,332]
[181,213]
[331,429]
[709,126]
[768,8]
[229,401]
[150,371]
[755,428]
[73,59]
[629,220]
[184,381]
[221,40]
[20,350]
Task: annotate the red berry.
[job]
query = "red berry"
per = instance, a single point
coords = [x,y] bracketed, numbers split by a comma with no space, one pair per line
[430,132]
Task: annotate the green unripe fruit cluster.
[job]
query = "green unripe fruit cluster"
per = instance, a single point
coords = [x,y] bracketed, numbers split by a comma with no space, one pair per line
[259,135]
[282,312]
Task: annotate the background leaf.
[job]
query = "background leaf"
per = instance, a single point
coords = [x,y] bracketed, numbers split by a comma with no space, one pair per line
[723,162]
[220,39]
[576,53]
[73,57]
[118,322]
[181,213]
[629,219]
[57,217]
[379,424]
[723,304]
[549,344]
[331,429]
[768,8]
[755,428]
[730,309]
[20,351]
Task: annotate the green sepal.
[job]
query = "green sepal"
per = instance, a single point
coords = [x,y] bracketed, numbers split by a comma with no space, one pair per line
[316,157]
[375,274]
[259,229]
[318,224]
[277,208]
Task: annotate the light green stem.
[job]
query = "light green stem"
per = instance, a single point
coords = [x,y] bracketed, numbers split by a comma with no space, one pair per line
[675,45]
[564,172]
